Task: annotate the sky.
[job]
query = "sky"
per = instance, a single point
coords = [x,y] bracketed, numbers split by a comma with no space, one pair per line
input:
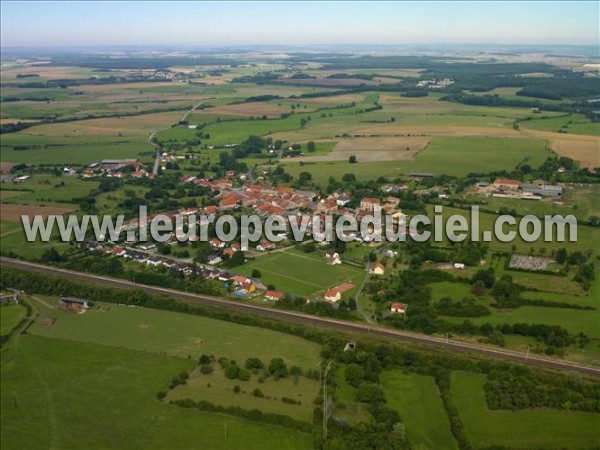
[87,23]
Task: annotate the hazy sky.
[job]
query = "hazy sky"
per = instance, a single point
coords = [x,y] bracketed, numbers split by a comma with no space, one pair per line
[137,23]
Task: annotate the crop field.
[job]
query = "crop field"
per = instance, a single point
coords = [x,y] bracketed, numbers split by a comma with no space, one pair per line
[581,148]
[176,334]
[13,213]
[50,382]
[44,189]
[417,400]
[300,273]
[219,390]
[534,428]
[250,109]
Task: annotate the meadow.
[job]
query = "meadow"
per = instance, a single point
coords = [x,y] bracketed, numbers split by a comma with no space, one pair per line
[10,316]
[534,428]
[176,334]
[417,400]
[65,394]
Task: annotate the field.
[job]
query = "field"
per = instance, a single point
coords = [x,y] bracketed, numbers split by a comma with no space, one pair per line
[12,213]
[570,123]
[10,316]
[522,429]
[372,149]
[175,334]
[57,394]
[217,389]
[456,156]
[417,400]
[300,273]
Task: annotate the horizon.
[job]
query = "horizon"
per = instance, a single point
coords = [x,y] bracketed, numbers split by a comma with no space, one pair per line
[297,24]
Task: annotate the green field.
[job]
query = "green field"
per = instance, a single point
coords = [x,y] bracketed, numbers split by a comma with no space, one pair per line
[176,334]
[301,273]
[64,394]
[10,316]
[217,389]
[45,189]
[539,428]
[455,156]
[417,400]
[570,123]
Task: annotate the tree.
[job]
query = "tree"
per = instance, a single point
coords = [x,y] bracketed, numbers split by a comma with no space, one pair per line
[311,147]
[485,276]
[354,374]
[278,368]
[352,159]
[304,177]
[256,273]
[254,363]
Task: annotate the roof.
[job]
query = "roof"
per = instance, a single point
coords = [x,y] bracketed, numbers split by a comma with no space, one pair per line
[274,294]
[332,293]
[399,306]
[372,200]
[378,265]
[74,300]
[507,181]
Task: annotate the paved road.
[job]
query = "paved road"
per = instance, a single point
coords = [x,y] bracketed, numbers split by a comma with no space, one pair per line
[322,322]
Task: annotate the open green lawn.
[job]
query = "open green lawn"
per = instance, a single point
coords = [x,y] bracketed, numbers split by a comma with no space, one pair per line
[10,316]
[64,394]
[218,389]
[535,428]
[301,273]
[176,334]
[417,400]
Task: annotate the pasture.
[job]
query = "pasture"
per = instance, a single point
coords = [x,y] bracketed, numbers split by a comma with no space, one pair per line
[219,390]
[417,399]
[10,316]
[66,389]
[176,334]
[534,428]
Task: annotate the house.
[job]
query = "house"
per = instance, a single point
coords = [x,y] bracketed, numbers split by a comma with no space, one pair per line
[265,246]
[398,308]
[333,258]
[369,203]
[230,202]
[273,295]
[506,184]
[459,266]
[228,252]
[333,295]
[213,259]
[216,243]
[74,304]
[378,269]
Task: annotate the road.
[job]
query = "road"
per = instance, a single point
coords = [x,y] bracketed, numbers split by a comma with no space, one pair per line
[322,322]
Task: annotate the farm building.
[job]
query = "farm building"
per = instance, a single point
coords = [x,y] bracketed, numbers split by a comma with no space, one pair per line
[506,184]
[78,305]
[544,190]
[333,295]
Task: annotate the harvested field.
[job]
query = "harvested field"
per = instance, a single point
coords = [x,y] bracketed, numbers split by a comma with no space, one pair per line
[6,166]
[135,125]
[251,109]
[432,130]
[532,263]
[373,149]
[12,213]
[582,148]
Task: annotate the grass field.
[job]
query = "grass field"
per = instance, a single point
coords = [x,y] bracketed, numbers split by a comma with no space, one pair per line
[64,394]
[417,400]
[346,407]
[456,156]
[537,428]
[570,123]
[176,334]
[10,316]
[217,389]
[300,273]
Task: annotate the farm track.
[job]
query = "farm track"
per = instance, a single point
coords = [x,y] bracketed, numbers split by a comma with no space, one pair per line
[321,322]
